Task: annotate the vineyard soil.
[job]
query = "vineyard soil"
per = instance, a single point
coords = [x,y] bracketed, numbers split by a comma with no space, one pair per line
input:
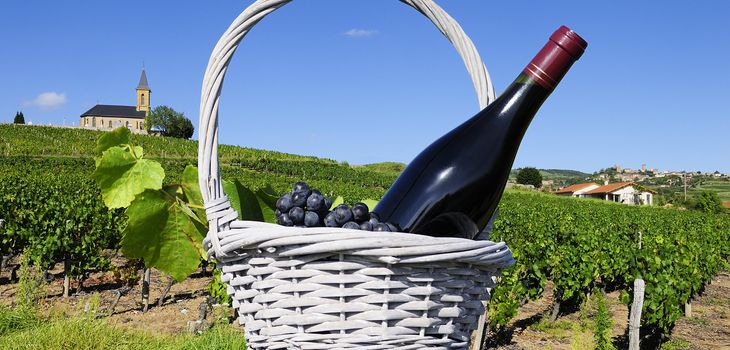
[707,329]
[180,307]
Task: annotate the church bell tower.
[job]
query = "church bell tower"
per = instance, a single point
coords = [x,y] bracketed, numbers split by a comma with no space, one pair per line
[143,94]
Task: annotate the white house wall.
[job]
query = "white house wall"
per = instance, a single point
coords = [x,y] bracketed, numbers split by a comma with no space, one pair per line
[628,195]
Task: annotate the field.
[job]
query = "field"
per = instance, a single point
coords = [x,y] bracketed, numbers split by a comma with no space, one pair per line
[721,187]
[567,250]
[561,177]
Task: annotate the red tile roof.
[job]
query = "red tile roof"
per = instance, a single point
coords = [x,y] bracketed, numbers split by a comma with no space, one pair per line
[726,205]
[576,187]
[617,186]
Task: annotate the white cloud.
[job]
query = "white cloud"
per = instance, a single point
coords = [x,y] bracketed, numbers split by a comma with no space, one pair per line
[48,101]
[360,33]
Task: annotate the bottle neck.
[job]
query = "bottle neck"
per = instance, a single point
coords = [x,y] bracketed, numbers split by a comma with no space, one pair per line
[555,59]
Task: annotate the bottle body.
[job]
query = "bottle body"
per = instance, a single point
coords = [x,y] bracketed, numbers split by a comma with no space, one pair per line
[453,187]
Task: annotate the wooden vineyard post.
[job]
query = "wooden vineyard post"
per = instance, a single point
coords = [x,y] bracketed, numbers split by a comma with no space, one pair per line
[477,336]
[66,277]
[635,319]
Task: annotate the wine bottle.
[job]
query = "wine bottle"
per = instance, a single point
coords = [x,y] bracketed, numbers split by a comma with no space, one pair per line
[452,188]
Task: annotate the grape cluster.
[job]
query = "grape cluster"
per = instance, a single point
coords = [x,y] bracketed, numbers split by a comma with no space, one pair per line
[305,207]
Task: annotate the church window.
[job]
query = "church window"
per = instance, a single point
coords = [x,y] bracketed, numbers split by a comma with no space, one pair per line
[142,100]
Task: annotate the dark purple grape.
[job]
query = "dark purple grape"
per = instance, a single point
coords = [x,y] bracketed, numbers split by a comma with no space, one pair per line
[366,226]
[311,219]
[300,187]
[343,214]
[360,212]
[284,220]
[374,219]
[296,215]
[284,203]
[315,202]
[351,225]
[381,227]
[277,212]
[327,204]
[299,199]
[329,220]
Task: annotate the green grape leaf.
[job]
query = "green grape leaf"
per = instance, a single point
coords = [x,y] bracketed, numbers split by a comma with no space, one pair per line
[243,200]
[339,200]
[121,176]
[191,188]
[116,137]
[162,231]
[371,203]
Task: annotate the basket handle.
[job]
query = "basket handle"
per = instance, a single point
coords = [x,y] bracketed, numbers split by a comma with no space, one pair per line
[208,167]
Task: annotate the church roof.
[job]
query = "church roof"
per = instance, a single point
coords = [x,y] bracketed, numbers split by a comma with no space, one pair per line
[115,111]
[143,85]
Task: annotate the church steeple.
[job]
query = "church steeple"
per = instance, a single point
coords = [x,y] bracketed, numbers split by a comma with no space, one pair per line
[143,93]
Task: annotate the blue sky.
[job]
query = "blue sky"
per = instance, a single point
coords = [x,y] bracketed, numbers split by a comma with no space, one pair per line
[651,88]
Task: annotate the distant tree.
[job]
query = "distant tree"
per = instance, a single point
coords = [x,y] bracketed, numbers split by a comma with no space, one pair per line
[19,118]
[181,127]
[709,202]
[529,176]
[169,122]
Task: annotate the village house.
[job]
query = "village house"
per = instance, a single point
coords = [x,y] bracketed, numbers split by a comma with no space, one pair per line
[577,190]
[620,192]
[109,117]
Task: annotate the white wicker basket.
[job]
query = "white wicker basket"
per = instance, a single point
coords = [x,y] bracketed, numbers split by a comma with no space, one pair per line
[332,288]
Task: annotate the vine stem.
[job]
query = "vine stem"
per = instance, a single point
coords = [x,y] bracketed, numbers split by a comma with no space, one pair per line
[556,306]
[170,281]
[5,260]
[120,292]
[146,290]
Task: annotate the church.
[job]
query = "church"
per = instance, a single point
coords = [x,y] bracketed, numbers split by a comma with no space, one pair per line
[110,117]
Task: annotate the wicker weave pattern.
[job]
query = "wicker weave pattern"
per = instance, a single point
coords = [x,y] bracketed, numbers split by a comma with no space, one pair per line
[328,288]
[333,288]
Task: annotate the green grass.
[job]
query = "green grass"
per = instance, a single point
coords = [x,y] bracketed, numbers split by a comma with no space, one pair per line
[12,320]
[25,331]
[559,329]
[676,345]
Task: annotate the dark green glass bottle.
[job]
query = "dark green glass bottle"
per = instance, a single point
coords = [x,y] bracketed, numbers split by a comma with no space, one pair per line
[453,187]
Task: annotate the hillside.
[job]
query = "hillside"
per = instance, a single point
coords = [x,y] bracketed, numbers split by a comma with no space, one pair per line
[26,140]
[48,150]
[391,168]
[561,177]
